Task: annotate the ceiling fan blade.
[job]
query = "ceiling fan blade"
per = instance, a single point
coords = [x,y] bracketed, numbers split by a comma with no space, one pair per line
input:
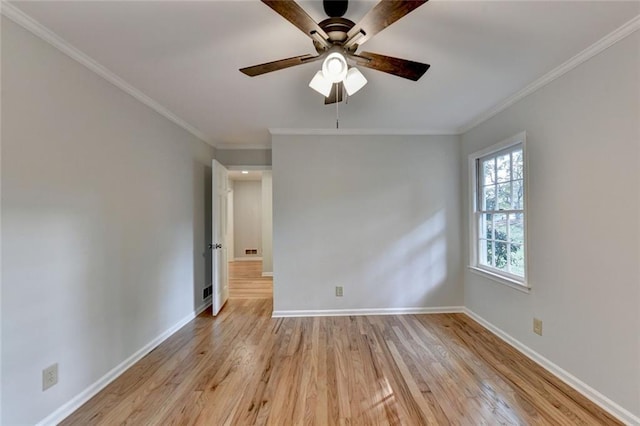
[400,67]
[380,17]
[279,65]
[292,12]
[335,95]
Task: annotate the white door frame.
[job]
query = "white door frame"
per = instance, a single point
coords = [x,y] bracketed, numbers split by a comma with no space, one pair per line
[219,263]
[253,168]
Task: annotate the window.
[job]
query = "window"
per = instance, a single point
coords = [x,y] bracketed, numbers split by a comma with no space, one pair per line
[498,217]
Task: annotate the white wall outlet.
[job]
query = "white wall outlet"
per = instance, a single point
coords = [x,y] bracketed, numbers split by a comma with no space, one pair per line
[537,326]
[49,376]
[339,292]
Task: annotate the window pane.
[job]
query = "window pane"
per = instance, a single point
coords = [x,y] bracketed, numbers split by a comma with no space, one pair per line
[516,228]
[489,172]
[504,168]
[518,167]
[500,238]
[517,260]
[501,255]
[486,227]
[504,196]
[485,252]
[518,195]
[500,226]
[489,198]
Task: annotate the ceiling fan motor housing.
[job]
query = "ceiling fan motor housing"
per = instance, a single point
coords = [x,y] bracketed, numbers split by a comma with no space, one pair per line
[336,29]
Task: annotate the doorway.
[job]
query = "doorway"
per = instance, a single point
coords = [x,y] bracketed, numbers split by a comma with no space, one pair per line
[250,233]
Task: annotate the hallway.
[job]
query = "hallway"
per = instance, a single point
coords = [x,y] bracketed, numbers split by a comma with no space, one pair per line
[246,281]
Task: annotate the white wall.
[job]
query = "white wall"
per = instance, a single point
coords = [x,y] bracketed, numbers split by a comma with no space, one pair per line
[378,215]
[583,138]
[103,225]
[247,217]
[267,222]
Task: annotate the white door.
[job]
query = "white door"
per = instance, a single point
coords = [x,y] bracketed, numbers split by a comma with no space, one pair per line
[219,265]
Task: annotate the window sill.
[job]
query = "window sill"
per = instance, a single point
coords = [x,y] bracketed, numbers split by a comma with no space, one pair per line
[523,287]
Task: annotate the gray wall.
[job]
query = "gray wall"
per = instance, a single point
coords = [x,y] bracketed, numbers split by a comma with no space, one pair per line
[244,157]
[267,222]
[378,215]
[104,224]
[230,238]
[247,217]
[583,142]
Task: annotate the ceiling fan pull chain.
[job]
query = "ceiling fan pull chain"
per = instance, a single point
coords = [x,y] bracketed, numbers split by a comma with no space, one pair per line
[337,107]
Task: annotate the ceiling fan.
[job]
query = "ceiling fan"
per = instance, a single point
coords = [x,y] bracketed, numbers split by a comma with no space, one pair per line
[337,39]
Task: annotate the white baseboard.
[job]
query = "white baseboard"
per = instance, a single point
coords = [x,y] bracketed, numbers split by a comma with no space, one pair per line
[371,311]
[267,274]
[198,311]
[605,403]
[77,401]
[596,397]
[246,259]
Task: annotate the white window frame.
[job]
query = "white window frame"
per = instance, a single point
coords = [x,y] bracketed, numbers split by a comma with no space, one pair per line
[503,277]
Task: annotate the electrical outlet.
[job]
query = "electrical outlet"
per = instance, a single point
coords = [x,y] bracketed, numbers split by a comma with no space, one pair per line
[537,326]
[339,292]
[49,376]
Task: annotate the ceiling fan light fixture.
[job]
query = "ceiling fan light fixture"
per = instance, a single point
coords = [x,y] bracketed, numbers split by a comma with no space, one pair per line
[320,84]
[354,81]
[334,67]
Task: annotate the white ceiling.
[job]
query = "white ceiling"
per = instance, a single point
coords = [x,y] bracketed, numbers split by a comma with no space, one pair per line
[251,175]
[186,54]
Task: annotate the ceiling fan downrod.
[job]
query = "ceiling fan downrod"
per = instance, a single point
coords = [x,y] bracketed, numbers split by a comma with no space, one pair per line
[335,8]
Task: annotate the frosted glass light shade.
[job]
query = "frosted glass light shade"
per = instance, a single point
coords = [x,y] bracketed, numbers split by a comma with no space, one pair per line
[354,81]
[321,84]
[334,68]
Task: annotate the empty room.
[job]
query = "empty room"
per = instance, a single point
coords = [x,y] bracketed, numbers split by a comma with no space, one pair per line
[235,212]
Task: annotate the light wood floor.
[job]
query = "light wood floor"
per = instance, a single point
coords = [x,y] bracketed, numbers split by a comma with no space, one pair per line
[246,281]
[245,368]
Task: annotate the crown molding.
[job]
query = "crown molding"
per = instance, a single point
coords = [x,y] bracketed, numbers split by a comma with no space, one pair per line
[236,168]
[19,17]
[363,132]
[604,43]
[16,15]
[235,146]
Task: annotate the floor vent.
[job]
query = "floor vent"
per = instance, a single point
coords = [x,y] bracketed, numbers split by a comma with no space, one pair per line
[250,251]
[207,291]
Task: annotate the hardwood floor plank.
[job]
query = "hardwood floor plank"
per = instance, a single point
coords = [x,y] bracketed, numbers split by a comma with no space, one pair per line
[246,281]
[553,409]
[245,368]
[573,406]
[322,386]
